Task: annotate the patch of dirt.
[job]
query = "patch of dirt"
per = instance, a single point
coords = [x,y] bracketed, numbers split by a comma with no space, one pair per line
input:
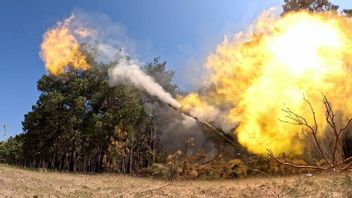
[20,182]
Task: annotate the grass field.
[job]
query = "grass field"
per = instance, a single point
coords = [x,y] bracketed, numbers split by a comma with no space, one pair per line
[20,182]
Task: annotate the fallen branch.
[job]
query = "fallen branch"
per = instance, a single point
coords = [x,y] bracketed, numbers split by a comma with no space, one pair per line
[271,155]
[151,190]
[261,172]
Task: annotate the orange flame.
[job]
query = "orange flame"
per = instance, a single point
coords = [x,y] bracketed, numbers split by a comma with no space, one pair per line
[284,59]
[60,49]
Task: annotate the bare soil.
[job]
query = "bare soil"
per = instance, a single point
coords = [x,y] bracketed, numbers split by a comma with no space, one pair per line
[21,182]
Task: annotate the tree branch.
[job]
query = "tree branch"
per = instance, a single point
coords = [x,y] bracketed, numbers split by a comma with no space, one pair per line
[271,155]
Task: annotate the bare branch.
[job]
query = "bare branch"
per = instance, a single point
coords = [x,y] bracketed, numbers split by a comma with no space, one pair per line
[311,133]
[311,139]
[294,118]
[345,161]
[347,125]
[271,155]
[313,113]
[347,167]
[330,116]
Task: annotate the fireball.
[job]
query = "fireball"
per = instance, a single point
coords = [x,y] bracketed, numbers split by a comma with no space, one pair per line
[274,67]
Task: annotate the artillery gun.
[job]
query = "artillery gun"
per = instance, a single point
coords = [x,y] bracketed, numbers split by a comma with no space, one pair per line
[229,139]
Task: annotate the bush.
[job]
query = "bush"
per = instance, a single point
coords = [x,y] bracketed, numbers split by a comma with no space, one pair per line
[180,166]
[261,164]
[236,168]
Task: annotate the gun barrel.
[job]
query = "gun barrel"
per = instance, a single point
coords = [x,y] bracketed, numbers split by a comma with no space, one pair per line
[206,124]
[173,107]
[183,112]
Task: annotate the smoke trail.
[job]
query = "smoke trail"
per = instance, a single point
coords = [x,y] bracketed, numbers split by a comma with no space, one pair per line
[128,72]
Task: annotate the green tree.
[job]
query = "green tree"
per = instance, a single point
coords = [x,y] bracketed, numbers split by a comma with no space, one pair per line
[11,150]
[347,12]
[74,123]
[308,5]
[162,75]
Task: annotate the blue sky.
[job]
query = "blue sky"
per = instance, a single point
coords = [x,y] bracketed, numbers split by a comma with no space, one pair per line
[181,32]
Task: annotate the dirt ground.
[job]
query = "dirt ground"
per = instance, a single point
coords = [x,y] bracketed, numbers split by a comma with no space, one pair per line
[20,182]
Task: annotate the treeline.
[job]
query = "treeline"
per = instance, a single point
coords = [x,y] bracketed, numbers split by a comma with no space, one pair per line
[81,123]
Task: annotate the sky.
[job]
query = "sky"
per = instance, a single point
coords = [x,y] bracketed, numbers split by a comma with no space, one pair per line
[181,32]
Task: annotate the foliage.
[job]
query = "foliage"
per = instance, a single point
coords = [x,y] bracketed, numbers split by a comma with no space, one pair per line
[308,5]
[75,120]
[347,12]
[11,150]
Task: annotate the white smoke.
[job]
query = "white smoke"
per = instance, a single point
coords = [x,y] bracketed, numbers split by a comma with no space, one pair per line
[128,72]
[104,39]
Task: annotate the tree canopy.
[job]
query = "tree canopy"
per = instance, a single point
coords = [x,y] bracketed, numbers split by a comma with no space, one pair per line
[308,5]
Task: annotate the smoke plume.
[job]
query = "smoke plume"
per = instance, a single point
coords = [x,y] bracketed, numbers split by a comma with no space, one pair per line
[126,71]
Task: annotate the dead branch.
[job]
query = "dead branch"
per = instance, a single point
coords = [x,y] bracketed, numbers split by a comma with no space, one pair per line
[295,119]
[271,155]
[261,172]
[152,190]
[347,167]
[311,133]
[347,160]
[140,190]
[330,119]
[315,132]
[347,125]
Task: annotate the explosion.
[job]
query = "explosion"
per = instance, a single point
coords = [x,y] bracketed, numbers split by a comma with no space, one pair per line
[257,74]
[60,48]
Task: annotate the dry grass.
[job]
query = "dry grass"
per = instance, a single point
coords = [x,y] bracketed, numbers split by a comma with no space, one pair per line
[18,182]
